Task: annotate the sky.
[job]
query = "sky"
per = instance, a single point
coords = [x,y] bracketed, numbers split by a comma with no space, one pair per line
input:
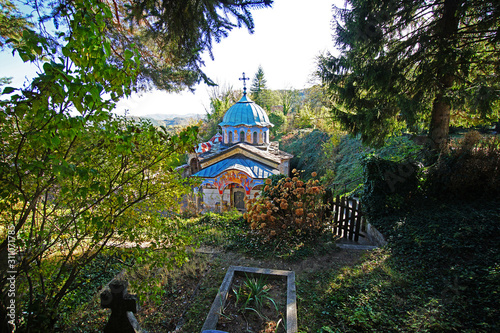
[287,39]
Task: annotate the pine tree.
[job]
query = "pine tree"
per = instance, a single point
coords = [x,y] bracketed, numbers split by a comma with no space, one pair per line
[258,91]
[408,63]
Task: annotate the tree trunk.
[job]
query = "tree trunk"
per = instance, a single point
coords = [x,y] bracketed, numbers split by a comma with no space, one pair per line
[445,31]
[440,123]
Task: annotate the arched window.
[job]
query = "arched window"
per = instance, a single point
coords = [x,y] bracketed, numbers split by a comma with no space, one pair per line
[255,139]
[242,136]
[230,137]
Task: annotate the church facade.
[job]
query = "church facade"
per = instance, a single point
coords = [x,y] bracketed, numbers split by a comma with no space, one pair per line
[234,164]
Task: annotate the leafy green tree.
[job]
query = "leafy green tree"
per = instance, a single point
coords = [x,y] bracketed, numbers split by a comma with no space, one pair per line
[290,100]
[74,179]
[170,36]
[12,22]
[221,99]
[407,62]
[279,120]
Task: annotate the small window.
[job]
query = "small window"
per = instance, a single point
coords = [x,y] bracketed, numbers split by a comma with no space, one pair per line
[255,140]
[242,136]
[230,137]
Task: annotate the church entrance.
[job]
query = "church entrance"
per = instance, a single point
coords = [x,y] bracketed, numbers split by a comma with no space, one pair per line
[239,197]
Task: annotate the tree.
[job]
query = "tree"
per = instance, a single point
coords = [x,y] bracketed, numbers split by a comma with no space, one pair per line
[405,62]
[73,177]
[221,99]
[289,99]
[12,22]
[258,91]
[172,35]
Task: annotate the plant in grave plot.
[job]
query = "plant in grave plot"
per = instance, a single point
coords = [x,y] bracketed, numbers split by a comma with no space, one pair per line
[255,303]
[290,210]
[253,295]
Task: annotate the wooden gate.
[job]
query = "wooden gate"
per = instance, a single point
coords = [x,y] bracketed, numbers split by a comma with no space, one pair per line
[348,218]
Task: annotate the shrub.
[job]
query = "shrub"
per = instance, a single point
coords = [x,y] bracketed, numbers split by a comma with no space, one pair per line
[471,168]
[389,185]
[290,210]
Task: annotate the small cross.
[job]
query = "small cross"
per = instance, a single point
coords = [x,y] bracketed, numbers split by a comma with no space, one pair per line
[244,83]
[122,306]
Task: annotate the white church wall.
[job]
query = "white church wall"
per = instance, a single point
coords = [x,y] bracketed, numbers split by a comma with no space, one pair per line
[210,197]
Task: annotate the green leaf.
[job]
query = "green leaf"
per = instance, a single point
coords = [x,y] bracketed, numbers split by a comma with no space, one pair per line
[8,90]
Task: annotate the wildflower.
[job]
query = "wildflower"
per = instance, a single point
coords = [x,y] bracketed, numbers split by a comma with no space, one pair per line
[301,191]
[299,204]
[263,225]
[314,174]
[266,188]
[298,221]
[295,179]
[294,171]
[283,205]
[263,216]
[300,183]
[299,212]
[253,225]
[311,215]
[268,181]
[273,233]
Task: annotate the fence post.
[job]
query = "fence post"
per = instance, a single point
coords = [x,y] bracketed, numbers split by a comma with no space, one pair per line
[359,220]
[352,216]
[336,216]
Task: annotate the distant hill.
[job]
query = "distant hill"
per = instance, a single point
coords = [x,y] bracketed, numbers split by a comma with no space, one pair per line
[171,119]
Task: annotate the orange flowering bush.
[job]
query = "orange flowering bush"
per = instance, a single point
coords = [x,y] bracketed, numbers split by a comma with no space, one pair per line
[289,209]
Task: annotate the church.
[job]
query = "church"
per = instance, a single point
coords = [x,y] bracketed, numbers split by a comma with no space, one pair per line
[235,164]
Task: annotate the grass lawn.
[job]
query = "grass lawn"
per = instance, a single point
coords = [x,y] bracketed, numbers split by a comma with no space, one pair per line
[440,272]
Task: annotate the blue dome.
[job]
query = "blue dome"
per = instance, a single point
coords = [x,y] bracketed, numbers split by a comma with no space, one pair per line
[247,113]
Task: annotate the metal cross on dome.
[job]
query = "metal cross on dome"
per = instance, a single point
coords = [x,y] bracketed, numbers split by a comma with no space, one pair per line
[244,83]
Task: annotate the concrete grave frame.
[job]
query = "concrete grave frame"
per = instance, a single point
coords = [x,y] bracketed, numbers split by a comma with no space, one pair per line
[220,300]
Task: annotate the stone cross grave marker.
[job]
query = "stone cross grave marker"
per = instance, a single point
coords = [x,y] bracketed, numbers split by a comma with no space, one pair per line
[123,306]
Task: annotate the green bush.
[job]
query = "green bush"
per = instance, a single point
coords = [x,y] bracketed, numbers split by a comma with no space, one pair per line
[306,146]
[389,185]
[470,169]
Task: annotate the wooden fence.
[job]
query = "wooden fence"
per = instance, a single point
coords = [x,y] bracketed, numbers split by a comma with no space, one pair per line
[348,218]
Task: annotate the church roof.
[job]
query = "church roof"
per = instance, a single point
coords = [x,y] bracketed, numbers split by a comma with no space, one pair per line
[274,157]
[238,162]
[246,112]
